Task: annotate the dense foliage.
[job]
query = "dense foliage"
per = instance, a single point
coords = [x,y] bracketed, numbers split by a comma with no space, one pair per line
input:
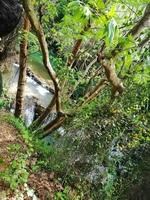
[96,56]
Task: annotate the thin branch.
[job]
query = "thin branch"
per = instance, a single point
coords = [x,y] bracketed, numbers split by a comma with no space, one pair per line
[144,21]
[143,42]
[95,92]
[44,115]
[53,125]
[85,73]
[77,46]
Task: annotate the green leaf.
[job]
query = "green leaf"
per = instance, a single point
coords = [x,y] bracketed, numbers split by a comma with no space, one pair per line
[112,27]
[128,60]
[98,4]
[112,12]
[1,161]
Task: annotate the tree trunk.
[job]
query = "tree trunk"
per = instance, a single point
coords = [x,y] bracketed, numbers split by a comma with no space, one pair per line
[1,84]
[23,69]
[29,8]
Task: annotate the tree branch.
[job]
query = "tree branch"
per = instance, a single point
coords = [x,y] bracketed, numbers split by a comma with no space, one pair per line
[28,6]
[23,69]
[111,74]
[44,115]
[143,42]
[144,22]
[77,46]
[53,125]
[95,92]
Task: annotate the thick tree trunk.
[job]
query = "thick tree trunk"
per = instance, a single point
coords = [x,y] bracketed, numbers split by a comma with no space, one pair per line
[23,70]
[111,75]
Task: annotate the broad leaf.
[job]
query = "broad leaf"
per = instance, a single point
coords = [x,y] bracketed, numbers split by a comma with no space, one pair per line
[112,27]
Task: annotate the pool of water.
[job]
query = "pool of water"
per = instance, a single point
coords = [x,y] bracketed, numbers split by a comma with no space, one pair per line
[35,63]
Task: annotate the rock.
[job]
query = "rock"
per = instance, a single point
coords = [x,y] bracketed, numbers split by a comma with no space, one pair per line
[10,22]
[10,15]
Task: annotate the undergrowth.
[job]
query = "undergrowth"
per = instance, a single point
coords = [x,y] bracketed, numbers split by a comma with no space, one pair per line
[105,158]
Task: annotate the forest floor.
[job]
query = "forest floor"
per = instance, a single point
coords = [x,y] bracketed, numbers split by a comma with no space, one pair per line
[8,136]
[40,185]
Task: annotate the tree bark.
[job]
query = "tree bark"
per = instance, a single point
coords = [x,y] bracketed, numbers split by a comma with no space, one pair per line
[55,124]
[95,92]
[144,22]
[44,115]
[29,9]
[104,60]
[1,84]
[77,46]
[23,69]
[117,85]
[75,50]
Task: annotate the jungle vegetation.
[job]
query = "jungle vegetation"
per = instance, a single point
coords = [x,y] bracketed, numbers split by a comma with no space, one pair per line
[96,55]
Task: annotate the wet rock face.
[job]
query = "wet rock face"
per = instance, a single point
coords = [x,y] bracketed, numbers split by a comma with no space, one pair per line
[10,15]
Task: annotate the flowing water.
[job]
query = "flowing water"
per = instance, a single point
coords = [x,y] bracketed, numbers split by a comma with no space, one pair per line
[35,93]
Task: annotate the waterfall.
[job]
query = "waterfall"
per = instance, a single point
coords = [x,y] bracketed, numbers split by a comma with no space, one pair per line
[36,92]
[29,110]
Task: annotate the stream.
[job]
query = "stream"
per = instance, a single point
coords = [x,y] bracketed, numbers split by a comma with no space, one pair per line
[36,92]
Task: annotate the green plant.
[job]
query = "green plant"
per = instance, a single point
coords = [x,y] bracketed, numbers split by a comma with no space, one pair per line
[64,195]
[16,174]
[2,103]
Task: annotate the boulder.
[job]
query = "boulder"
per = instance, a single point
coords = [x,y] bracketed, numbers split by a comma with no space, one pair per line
[10,22]
[10,15]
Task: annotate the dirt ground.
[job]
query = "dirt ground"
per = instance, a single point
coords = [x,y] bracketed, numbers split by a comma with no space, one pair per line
[8,136]
[42,183]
